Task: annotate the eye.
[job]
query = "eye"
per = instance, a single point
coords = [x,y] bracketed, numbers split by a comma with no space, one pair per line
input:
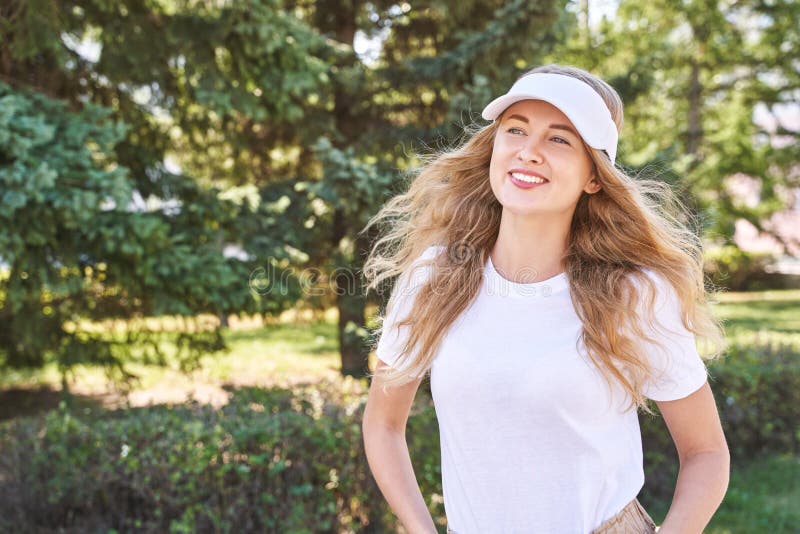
[561,139]
[515,129]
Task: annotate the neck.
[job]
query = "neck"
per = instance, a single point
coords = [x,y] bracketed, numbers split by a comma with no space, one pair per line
[530,248]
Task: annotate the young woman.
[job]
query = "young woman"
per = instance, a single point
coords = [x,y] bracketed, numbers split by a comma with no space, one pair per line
[549,295]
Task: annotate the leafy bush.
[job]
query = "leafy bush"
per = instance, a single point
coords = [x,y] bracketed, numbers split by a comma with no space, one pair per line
[758,397]
[293,461]
[269,461]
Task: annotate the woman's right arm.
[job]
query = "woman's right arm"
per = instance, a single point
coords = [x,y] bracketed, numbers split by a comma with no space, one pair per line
[384,430]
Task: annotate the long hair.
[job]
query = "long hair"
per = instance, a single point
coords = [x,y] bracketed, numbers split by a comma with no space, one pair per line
[617,234]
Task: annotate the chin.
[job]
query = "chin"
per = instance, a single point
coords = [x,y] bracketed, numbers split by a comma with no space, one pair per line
[522,210]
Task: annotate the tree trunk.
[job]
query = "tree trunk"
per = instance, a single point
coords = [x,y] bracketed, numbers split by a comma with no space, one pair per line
[350,298]
[695,132]
[351,322]
[351,302]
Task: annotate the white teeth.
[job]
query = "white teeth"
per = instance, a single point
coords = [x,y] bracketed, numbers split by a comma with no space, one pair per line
[528,178]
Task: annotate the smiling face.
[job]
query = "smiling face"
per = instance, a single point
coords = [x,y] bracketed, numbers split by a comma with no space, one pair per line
[539,163]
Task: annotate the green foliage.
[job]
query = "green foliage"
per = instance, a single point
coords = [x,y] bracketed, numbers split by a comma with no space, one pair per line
[259,94]
[56,182]
[732,268]
[77,247]
[759,391]
[352,185]
[269,461]
[55,164]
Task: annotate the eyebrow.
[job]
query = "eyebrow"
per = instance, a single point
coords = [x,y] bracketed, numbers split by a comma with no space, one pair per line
[552,126]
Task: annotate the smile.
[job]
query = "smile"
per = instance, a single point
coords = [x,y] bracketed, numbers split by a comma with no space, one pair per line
[526,181]
[527,178]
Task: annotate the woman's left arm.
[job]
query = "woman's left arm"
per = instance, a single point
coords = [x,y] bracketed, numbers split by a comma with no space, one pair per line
[694,424]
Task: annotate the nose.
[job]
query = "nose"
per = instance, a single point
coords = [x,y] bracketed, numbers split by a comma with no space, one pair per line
[530,151]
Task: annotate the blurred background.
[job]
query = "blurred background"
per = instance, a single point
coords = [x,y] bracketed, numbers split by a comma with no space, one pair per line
[184,333]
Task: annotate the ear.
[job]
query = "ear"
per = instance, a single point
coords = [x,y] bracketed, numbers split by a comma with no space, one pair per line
[593,185]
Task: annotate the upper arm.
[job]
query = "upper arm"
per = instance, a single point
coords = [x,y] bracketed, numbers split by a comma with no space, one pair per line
[693,423]
[390,408]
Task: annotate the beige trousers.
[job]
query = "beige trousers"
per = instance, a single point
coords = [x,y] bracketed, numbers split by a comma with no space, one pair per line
[632,519]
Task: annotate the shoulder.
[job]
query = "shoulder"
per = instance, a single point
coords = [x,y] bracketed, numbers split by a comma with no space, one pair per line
[417,273]
[651,283]
[658,302]
[646,273]
[410,282]
[420,268]
[431,252]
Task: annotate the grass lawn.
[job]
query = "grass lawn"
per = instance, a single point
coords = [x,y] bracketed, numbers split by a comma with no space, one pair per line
[257,356]
[762,497]
[761,316]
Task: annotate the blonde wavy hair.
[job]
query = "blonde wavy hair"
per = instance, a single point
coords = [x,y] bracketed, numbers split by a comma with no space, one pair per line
[629,226]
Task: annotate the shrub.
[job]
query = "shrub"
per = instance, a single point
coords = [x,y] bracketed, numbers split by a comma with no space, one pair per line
[269,461]
[276,460]
[758,398]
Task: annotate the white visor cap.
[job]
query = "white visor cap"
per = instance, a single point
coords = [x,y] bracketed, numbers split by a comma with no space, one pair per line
[576,99]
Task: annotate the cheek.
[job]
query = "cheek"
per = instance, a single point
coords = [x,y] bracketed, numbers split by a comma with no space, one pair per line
[496,166]
[586,168]
[500,154]
[494,161]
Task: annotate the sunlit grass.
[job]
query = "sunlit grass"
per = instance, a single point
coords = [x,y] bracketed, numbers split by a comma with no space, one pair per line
[255,356]
[771,295]
[761,317]
[275,351]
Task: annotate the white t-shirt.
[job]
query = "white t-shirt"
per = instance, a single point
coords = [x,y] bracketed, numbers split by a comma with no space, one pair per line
[530,440]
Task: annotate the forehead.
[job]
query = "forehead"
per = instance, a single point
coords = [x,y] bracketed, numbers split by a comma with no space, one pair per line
[536,109]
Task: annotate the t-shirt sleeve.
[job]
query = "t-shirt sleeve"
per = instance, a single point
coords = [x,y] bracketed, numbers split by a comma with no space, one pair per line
[393,338]
[677,366]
